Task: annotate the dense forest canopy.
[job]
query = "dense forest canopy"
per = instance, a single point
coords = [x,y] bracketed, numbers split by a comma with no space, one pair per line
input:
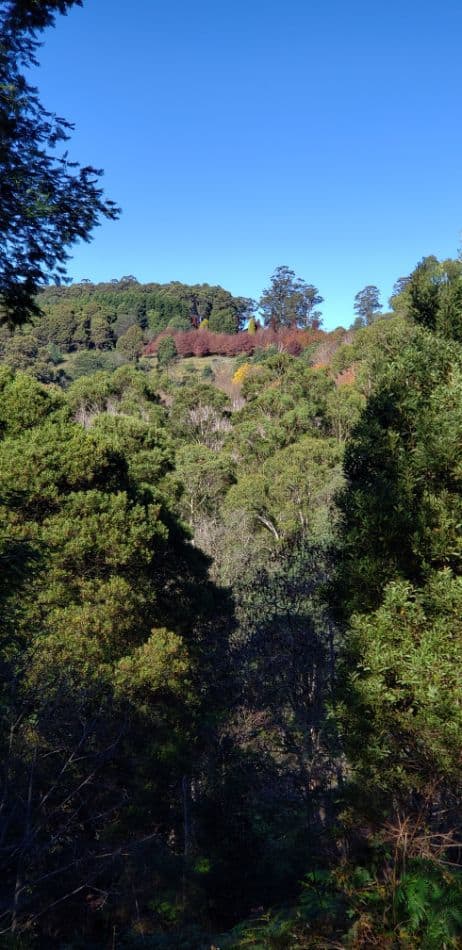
[230,590]
[230,634]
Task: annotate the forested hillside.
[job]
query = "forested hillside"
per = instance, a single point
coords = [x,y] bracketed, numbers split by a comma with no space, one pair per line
[230,589]
[230,640]
[85,327]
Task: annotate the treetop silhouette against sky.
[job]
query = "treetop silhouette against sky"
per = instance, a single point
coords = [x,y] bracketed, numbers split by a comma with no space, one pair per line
[236,137]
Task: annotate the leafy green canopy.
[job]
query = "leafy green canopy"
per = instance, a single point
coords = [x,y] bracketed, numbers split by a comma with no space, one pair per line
[401,714]
[432,296]
[399,586]
[109,634]
[402,502]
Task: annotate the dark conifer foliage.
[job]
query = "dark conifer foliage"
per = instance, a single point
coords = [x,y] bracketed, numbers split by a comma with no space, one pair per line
[47,201]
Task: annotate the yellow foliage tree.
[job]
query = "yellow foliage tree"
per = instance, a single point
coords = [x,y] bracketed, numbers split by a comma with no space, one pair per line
[241,373]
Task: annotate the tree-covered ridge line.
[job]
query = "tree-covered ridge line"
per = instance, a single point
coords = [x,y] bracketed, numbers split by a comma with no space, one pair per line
[155,304]
[85,327]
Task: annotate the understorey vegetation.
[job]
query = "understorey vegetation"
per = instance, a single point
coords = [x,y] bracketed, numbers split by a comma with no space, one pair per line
[231,641]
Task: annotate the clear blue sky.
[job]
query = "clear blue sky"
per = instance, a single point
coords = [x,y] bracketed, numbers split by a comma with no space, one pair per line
[241,135]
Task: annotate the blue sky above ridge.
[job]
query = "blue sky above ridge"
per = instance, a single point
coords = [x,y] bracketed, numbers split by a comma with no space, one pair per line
[237,137]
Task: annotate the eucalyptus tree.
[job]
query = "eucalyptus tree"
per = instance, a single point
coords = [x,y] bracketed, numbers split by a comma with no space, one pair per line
[290,302]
